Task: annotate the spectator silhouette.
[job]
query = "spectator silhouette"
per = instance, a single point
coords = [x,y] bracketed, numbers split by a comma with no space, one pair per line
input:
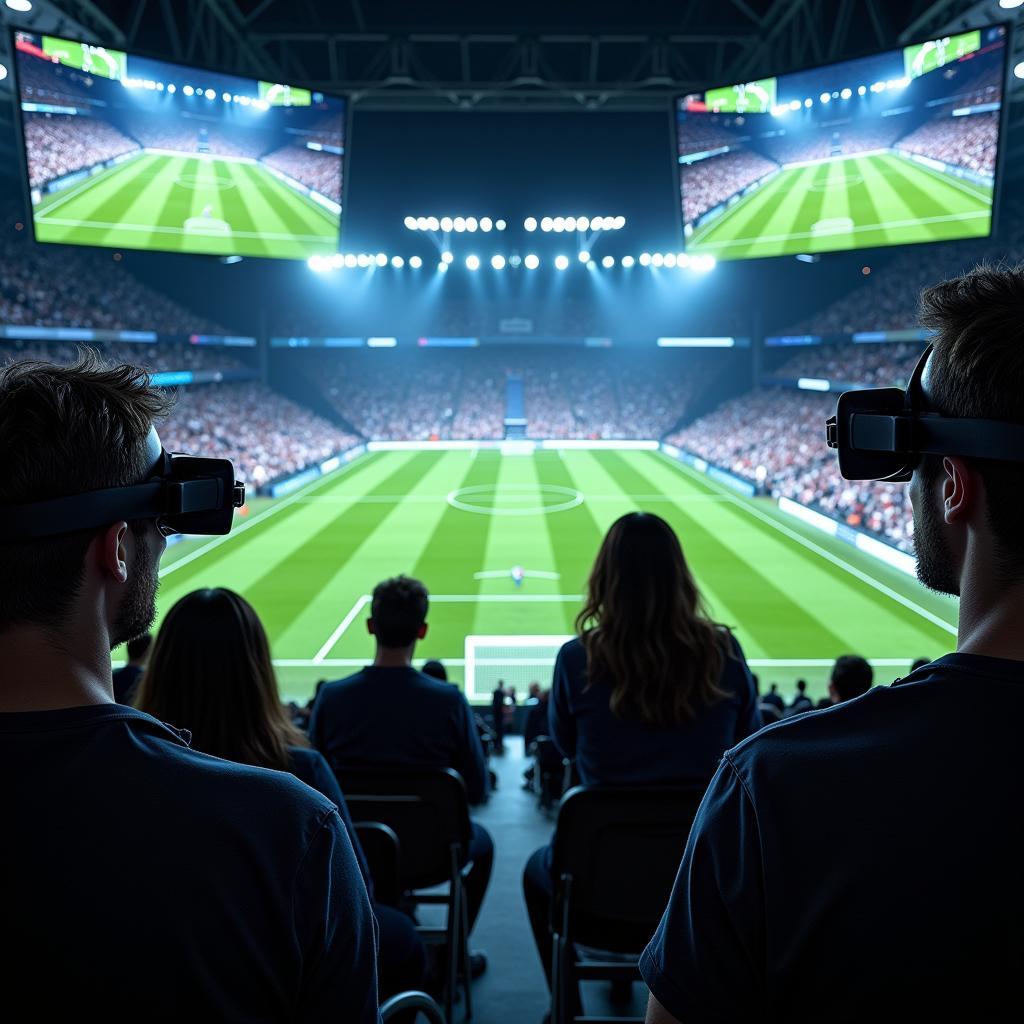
[851,676]
[126,678]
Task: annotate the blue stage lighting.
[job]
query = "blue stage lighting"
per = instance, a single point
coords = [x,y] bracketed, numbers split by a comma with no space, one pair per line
[472,262]
[531,261]
[561,262]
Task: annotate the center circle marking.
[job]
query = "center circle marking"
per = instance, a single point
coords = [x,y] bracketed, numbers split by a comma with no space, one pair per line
[516,499]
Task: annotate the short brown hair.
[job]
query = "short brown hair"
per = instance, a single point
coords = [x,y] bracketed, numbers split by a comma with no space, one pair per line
[65,430]
[977,370]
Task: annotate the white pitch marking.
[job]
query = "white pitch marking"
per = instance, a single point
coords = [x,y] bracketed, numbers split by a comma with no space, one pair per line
[274,235]
[318,658]
[536,574]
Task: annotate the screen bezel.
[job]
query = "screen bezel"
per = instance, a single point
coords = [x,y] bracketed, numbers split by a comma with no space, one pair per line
[997,179]
[26,188]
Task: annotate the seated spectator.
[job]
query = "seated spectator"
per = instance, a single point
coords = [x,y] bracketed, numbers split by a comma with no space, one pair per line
[141,878]
[393,716]
[851,676]
[126,678]
[774,697]
[920,663]
[651,692]
[801,702]
[902,902]
[435,670]
[211,672]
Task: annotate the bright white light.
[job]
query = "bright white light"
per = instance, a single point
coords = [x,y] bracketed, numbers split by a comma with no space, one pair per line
[244,100]
[628,261]
[442,268]
[597,223]
[530,223]
[1019,70]
[558,224]
[160,86]
[862,90]
[808,102]
[350,260]
[498,261]
[570,223]
[172,88]
[780,111]
[562,262]
[608,262]
[21,6]
[682,260]
[422,224]
[825,97]
[703,264]
[1007,5]
[226,97]
[620,223]
[460,224]
[879,87]
[546,224]
[645,259]
[794,104]
[584,256]
[210,94]
[670,259]
[415,262]
[261,105]
[473,262]
[382,259]
[317,264]
[846,94]
[500,224]
[3,72]
[658,259]
[363,259]
[471,224]
[337,261]
[486,224]
[582,223]
[397,262]
[188,90]
[433,224]
[446,257]
[410,223]
[447,224]
[531,262]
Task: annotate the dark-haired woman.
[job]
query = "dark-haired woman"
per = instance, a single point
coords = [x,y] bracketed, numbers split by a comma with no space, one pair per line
[210,672]
[651,692]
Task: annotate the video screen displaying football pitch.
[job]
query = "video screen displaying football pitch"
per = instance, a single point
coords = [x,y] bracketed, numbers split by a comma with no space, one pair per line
[465,522]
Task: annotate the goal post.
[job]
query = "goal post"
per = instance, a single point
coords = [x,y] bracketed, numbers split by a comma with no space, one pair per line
[515,660]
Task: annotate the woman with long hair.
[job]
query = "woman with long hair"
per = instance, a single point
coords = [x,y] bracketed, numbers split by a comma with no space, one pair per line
[211,672]
[651,691]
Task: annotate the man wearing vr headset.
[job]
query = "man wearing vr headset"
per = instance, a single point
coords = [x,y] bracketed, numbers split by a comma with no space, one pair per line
[862,863]
[141,879]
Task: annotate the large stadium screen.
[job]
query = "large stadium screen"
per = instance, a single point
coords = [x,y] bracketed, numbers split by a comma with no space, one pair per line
[133,153]
[892,149]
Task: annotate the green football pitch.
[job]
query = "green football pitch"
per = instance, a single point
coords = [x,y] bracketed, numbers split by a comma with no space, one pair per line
[851,203]
[188,204]
[461,520]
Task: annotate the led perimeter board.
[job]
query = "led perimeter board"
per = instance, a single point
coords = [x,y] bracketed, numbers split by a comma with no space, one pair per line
[891,149]
[133,153]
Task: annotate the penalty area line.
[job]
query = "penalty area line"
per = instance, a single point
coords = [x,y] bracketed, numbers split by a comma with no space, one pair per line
[361,603]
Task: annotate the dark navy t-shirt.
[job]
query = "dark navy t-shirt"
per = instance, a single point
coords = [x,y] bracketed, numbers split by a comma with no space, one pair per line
[402,718]
[143,880]
[859,863]
[619,751]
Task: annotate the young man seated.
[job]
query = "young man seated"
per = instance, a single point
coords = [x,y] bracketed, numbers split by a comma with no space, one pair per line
[389,714]
[851,676]
[863,864]
[139,879]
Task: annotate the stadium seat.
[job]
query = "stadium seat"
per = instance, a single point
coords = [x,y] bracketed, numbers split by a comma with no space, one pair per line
[428,811]
[552,773]
[600,901]
[411,1002]
[383,856]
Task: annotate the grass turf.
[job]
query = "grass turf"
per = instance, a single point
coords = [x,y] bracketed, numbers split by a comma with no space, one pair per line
[188,204]
[307,561]
[851,203]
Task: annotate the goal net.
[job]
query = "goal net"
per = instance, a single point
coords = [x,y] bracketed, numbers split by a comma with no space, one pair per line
[514,660]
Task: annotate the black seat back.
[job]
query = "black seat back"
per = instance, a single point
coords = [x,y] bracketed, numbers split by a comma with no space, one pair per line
[427,809]
[383,857]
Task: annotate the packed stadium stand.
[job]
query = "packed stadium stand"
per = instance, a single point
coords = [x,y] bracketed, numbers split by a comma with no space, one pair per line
[318,171]
[872,365]
[968,141]
[712,181]
[59,144]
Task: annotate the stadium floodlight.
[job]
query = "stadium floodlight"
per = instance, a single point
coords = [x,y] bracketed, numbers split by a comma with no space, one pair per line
[337,261]
[210,94]
[570,223]
[608,262]
[670,259]
[172,88]
[597,223]
[862,90]
[682,260]
[422,224]
[628,261]
[486,224]
[415,262]
[471,224]
[546,224]
[1019,70]
[188,90]
[460,224]
[584,256]
[498,261]
[1010,5]
[472,262]
[515,260]
[620,222]
[433,224]
[794,104]
[245,101]
[21,6]
[316,263]
[442,268]
[382,259]
[447,224]
[846,94]
[363,260]
[562,262]
[658,259]
[531,262]
[446,257]
[825,97]
[645,259]
[558,224]
[808,102]
[350,260]
[397,262]
[703,264]
[878,87]
[410,223]
[3,72]
[500,224]
[582,223]
[226,97]
[530,223]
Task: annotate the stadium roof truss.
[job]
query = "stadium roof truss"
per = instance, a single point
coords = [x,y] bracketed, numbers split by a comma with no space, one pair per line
[574,55]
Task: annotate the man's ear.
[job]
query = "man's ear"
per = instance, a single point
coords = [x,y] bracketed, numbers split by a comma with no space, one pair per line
[422,631]
[370,628]
[961,489]
[111,551]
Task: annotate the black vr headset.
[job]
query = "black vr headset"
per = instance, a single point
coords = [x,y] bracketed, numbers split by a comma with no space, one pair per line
[183,493]
[881,433]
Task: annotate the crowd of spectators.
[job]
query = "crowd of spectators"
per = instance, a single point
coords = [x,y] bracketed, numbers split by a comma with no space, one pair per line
[59,144]
[699,134]
[66,287]
[184,134]
[846,140]
[157,358]
[709,182]
[264,434]
[880,365]
[318,171]
[969,141]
